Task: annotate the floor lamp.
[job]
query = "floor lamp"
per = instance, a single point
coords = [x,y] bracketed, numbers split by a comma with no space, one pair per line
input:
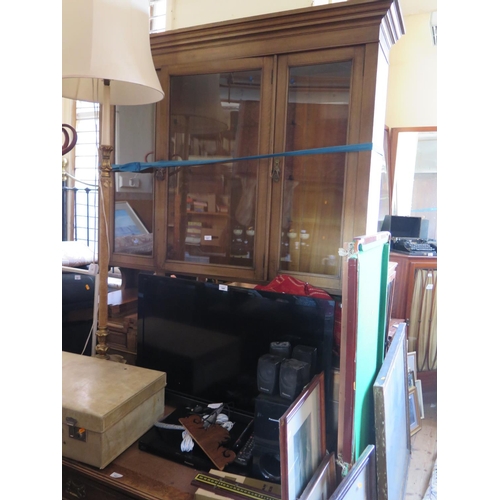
[106,59]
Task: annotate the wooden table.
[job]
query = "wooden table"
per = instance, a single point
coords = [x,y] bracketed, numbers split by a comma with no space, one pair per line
[143,476]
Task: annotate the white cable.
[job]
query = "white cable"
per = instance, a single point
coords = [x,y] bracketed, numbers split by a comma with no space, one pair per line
[81,182]
[171,427]
[187,443]
[223,421]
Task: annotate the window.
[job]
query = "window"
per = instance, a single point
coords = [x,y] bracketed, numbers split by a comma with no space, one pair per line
[86,173]
[158,15]
[415,174]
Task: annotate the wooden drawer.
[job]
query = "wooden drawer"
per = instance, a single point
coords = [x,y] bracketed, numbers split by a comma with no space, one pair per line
[122,337]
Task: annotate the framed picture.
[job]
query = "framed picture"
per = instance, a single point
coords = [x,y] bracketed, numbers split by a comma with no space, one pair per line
[418,384]
[361,481]
[415,424]
[126,221]
[412,362]
[302,438]
[411,379]
[323,483]
[392,434]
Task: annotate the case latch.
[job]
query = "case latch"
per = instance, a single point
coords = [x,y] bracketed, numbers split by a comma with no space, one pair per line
[276,171]
[76,432]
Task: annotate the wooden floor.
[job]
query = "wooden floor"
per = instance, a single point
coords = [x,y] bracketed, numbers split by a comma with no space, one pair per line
[424,451]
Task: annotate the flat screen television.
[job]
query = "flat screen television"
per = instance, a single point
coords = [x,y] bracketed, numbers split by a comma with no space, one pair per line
[208,338]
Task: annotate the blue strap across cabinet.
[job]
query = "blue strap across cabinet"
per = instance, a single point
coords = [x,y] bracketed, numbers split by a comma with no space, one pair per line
[139,166]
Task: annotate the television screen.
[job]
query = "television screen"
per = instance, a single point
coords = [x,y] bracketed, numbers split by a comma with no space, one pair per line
[208,338]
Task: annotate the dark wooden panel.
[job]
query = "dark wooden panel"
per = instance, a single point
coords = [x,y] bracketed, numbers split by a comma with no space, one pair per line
[143,476]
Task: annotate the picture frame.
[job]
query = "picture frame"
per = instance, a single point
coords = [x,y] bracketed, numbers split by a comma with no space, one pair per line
[418,384]
[391,409]
[302,438]
[127,222]
[412,362]
[414,411]
[361,481]
[323,483]
[411,379]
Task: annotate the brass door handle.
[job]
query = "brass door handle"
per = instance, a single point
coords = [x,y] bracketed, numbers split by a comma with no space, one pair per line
[276,171]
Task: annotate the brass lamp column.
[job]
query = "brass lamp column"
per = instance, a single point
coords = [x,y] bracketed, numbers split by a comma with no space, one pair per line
[104,248]
[106,58]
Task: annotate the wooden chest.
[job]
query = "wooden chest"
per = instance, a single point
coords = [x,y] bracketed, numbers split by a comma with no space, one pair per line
[106,406]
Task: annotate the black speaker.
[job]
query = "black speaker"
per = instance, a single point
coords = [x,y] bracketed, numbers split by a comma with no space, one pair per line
[266,432]
[282,349]
[266,462]
[268,369]
[268,411]
[293,377]
[309,355]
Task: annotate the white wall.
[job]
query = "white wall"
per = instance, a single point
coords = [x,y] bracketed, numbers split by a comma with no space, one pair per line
[412,86]
[195,12]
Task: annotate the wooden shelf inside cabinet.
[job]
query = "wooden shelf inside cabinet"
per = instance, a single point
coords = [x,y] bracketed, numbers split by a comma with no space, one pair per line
[211,214]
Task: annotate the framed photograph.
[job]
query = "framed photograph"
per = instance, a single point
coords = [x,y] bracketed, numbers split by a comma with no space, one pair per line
[418,384]
[302,437]
[392,433]
[411,379]
[415,424]
[323,483]
[412,362]
[361,481]
[126,221]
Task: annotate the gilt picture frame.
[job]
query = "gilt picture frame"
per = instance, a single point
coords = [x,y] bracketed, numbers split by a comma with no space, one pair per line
[302,438]
[414,411]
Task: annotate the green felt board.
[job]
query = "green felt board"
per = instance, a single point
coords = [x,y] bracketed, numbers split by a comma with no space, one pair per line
[373,263]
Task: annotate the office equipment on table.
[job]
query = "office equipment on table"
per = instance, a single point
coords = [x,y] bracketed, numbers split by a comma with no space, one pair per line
[409,235]
[414,247]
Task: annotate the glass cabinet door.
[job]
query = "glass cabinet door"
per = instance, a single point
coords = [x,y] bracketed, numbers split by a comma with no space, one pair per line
[315,112]
[213,214]
[133,191]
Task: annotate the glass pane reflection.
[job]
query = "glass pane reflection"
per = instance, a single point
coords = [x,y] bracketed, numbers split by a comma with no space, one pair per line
[211,217]
[317,115]
[133,213]
[133,221]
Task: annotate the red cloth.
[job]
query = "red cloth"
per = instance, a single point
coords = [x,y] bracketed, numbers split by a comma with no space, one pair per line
[288,284]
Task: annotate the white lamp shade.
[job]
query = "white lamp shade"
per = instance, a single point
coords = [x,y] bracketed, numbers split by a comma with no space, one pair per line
[108,40]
